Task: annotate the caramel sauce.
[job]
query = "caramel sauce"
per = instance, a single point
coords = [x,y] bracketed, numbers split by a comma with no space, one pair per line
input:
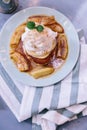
[35,66]
[21,51]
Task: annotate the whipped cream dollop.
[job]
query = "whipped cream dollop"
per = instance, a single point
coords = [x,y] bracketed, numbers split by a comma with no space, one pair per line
[38,43]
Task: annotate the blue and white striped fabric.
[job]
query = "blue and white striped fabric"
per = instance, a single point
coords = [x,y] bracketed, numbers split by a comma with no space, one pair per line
[52,105]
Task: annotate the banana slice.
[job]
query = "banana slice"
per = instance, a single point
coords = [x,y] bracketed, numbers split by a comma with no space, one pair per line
[62,46]
[42,72]
[42,19]
[56,27]
[16,36]
[20,61]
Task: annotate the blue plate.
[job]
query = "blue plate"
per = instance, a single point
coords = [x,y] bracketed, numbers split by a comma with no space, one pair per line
[73,43]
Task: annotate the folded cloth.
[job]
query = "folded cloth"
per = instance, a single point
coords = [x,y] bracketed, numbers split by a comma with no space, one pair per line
[52,105]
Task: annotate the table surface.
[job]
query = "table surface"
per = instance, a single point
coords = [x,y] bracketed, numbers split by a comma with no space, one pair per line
[76,11]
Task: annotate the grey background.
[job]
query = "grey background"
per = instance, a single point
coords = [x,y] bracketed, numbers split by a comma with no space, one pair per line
[76,11]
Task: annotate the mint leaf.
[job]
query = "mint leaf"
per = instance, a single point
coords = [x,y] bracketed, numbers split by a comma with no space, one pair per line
[31,25]
[39,28]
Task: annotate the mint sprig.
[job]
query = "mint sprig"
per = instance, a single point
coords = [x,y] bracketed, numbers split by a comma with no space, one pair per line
[31,25]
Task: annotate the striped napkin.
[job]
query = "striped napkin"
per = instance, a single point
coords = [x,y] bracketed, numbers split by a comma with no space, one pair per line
[53,105]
